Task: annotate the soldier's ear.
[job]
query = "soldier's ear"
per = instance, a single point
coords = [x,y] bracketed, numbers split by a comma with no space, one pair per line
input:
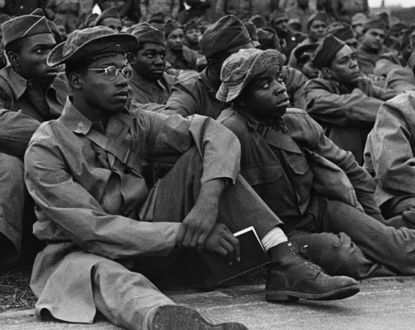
[326,72]
[131,58]
[14,59]
[75,80]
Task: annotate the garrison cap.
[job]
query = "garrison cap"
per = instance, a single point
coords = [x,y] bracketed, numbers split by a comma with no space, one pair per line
[326,51]
[107,13]
[278,15]
[375,23]
[343,33]
[145,32]
[91,42]
[252,33]
[318,16]
[192,24]
[171,26]
[24,26]
[305,52]
[258,20]
[225,34]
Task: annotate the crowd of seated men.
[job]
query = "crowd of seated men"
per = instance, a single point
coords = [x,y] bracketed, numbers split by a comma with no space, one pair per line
[132,146]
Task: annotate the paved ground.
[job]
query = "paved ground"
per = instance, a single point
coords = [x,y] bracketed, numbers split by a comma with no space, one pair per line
[387,303]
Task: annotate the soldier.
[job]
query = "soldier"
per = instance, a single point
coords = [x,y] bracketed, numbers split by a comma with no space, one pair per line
[342,100]
[30,93]
[149,82]
[324,197]
[109,233]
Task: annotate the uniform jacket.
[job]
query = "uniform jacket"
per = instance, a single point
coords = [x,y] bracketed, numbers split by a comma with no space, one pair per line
[347,114]
[92,199]
[144,91]
[19,116]
[390,149]
[184,60]
[401,79]
[288,163]
[197,94]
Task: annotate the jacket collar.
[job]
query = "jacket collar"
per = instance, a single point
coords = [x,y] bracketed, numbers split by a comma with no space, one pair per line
[17,83]
[74,120]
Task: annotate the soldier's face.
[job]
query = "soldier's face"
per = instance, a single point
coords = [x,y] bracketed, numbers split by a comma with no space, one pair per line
[105,92]
[373,39]
[192,35]
[175,40]
[317,29]
[150,61]
[266,96]
[32,57]
[344,67]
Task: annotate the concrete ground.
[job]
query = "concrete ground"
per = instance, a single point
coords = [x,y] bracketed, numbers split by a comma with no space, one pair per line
[384,303]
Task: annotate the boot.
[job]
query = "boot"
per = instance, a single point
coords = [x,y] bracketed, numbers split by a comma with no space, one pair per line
[174,317]
[290,277]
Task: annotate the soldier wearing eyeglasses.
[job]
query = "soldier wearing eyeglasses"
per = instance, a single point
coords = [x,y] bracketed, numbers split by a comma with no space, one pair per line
[30,93]
[110,233]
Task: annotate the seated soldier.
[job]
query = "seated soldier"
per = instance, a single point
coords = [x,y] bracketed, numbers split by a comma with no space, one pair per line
[303,55]
[390,153]
[402,79]
[343,101]
[108,232]
[109,18]
[316,27]
[192,32]
[323,196]
[371,45]
[149,82]
[196,94]
[29,94]
[178,55]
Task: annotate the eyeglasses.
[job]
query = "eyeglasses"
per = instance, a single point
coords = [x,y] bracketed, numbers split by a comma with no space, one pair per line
[112,71]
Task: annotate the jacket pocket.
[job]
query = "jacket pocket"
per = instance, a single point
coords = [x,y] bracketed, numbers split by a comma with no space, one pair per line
[262,174]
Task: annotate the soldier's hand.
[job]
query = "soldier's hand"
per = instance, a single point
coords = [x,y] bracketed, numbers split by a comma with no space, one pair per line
[222,241]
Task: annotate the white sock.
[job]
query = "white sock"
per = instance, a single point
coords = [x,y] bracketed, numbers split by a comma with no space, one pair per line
[273,238]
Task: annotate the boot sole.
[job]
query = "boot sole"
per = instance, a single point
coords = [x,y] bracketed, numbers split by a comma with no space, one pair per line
[287,295]
[171,317]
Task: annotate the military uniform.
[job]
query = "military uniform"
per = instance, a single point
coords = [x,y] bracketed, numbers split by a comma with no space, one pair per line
[346,113]
[324,198]
[390,153]
[144,91]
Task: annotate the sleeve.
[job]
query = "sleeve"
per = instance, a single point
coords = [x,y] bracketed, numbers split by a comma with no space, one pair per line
[295,82]
[217,145]
[392,146]
[353,109]
[182,99]
[383,94]
[80,216]
[16,129]
[313,138]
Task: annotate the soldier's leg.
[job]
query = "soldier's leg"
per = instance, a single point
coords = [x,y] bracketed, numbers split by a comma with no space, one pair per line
[12,197]
[395,248]
[289,277]
[130,300]
[400,212]
[337,254]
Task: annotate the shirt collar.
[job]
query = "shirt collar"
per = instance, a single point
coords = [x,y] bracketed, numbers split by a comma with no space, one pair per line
[144,84]
[74,120]
[17,83]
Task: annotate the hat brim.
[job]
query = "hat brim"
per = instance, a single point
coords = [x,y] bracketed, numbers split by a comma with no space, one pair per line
[117,43]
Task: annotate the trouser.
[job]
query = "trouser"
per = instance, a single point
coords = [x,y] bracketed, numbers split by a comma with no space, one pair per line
[344,240]
[12,198]
[125,297]
[400,211]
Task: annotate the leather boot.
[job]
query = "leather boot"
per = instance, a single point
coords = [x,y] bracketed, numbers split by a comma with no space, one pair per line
[290,277]
[174,317]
